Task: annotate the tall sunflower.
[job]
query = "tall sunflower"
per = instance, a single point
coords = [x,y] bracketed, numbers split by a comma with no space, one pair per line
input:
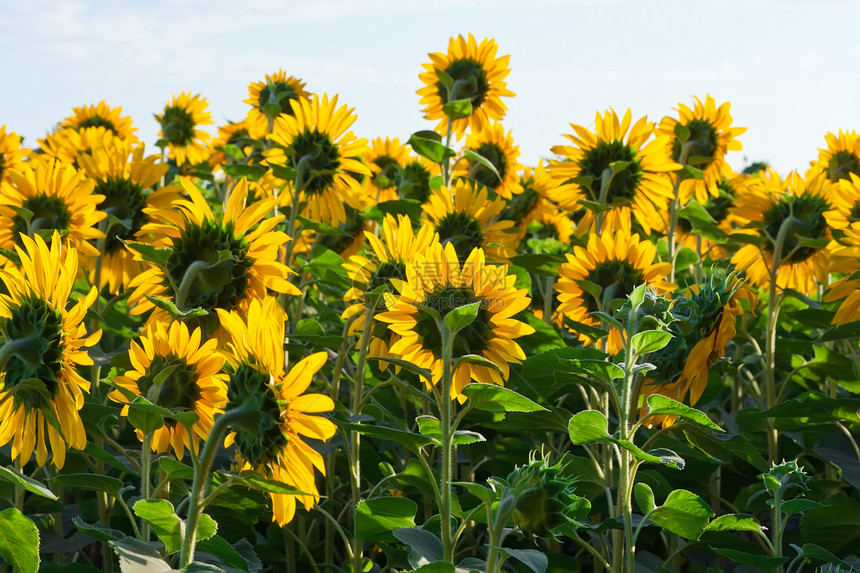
[711,136]
[841,158]
[638,187]
[794,206]
[287,416]
[272,97]
[58,197]
[67,143]
[845,203]
[213,262]
[385,260]
[437,279]
[44,341]
[124,177]
[385,158]
[11,153]
[498,148]
[315,141]
[174,368]
[704,325]
[467,219]
[102,115]
[180,120]
[477,75]
[613,264]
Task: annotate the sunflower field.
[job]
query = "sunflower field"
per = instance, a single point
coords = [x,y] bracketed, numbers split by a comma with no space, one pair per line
[288,348]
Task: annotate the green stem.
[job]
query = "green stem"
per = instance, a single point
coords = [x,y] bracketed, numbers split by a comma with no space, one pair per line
[674,207]
[447,446]
[298,187]
[145,461]
[446,170]
[770,342]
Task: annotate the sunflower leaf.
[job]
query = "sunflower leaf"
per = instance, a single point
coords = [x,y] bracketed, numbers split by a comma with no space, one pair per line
[97,531]
[376,518]
[160,515]
[173,310]
[644,497]
[477,360]
[735,522]
[146,416]
[475,156]
[249,172]
[683,513]
[685,257]
[458,109]
[459,318]
[12,475]
[409,440]
[682,133]
[663,405]
[254,480]
[588,427]
[149,253]
[649,341]
[492,398]
[761,562]
[174,469]
[426,374]
[445,79]
[89,482]
[136,556]
[429,147]
[19,541]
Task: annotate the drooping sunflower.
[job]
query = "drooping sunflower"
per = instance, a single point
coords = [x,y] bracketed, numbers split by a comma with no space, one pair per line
[287,416]
[794,207]
[174,368]
[437,279]
[277,91]
[467,219]
[385,158]
[11,153]
[385,260]
[704,325]
[498,148]
[124,177]
[198,241]
[845,200]
[639,187]
[59,197]
[477,75]
[616,262]
[102,115]
[711,136]
[317,143]
[180,120]
[840,159]
[44,340]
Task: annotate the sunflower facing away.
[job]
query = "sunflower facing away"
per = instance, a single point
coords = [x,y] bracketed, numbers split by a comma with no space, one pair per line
[277,92]
[44,340]
[58,197]
[385,158]
[180,120]
[841,158]
[614,263]
[436,279]
[711,137]
[287,416]
[11,153]
[317,143]
[495,146]
[795,206]
[477,74]
[173,368]
[234,257]
[639,187]
[240,136]
[385,260]
[123,176]
[467,219]
[102,115]
[705,324]
[413,181]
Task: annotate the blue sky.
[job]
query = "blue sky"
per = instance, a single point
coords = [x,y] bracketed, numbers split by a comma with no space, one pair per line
[789,68]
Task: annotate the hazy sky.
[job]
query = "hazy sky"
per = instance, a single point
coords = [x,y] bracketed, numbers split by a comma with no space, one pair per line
[789,68]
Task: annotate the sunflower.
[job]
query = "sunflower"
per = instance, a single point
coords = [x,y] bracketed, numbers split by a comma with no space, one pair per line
[704,325]
[795,208]
[846,259]
[173,368]
[11,153]
[67,143]
[240,135]
[123,176]
[234,255]
[413,180]
[44,341]
[277,92]
[638,187]
[477,75]
[613,263]
[385,158]
[436,279]
[466,218]
[492,144]
[59,198]
[840,159]
[551,228]
[711,135]
[102,115]
[287,416]
[718,208]
[845,200]
[386,260]
[315,141]
[179,128]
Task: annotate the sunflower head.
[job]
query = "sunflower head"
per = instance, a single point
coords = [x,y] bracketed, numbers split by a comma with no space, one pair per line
[11,153]
[386,158]
[237,143]
[44,340]
[180,122]
[840,159]
[102,115]
[499,150]
[413,179]
[468,72]
[270,98]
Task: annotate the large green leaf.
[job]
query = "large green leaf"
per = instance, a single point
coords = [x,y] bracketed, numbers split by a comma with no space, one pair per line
[588,427]
[97,531]
[376,518]
[89,482]
[835,527]
[409,440]
[735,522]
[663,405]
[10,474]
[424,547]
[492,398]
[19,541]
[135,556]
[762,562]
[683,513]
[160,515]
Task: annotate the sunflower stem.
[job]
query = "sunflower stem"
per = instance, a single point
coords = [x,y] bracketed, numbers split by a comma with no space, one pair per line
[145,491]
[298,187]
[446,171]
[447,445]
[201,475]
[674,206]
